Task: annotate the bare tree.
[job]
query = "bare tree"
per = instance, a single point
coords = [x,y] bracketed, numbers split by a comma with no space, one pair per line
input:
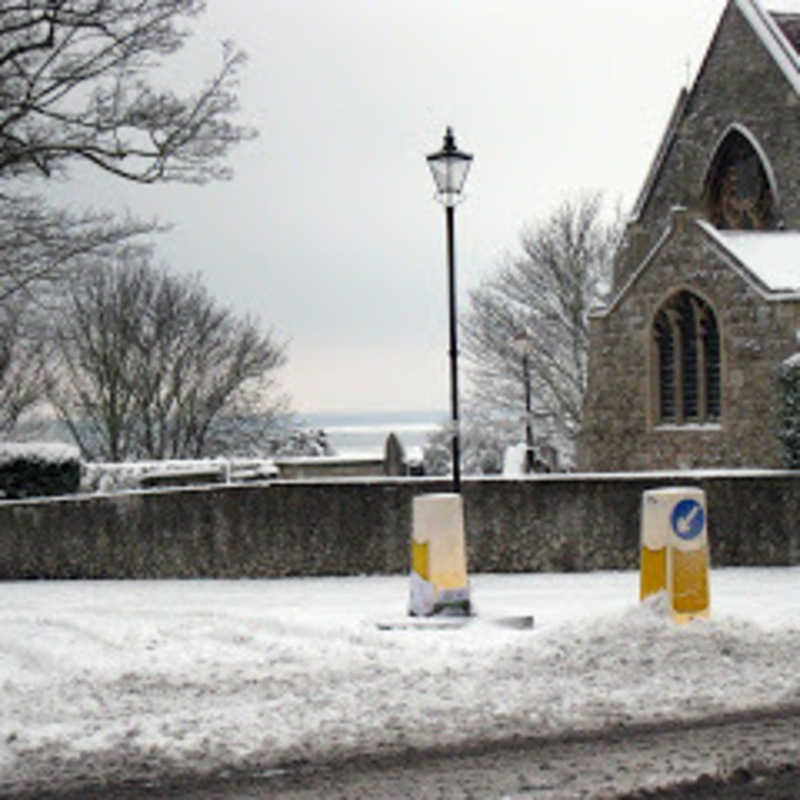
[150,367]
[74,86]
[40,247]
[23,379]
[545,292]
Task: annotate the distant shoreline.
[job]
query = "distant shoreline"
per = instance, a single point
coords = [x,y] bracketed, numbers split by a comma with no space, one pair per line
[366,431]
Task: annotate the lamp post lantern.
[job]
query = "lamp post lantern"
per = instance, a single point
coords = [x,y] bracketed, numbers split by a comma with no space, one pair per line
[523,344]
[449,167]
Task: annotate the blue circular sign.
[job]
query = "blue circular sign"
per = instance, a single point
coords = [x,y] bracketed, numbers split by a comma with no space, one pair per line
[688,519]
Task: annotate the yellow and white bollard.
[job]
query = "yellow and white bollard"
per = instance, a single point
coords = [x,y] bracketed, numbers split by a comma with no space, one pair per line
[674,550]
[438,556]
[653,549]
[687,558]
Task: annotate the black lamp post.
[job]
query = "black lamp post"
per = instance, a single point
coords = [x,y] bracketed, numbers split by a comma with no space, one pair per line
[449,167]
[523,344]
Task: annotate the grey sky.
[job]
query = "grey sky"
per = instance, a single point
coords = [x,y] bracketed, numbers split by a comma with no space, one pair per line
[329,232]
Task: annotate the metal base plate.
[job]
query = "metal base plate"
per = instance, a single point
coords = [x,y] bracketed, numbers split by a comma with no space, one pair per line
[440,623]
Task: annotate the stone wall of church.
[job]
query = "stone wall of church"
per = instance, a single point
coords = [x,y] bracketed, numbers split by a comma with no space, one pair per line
[738,83]
[619,432]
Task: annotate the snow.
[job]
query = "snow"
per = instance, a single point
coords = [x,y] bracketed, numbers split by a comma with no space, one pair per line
[783,6]
[772,256]
[108,477]
[55,452]
[351,457]
[122,680]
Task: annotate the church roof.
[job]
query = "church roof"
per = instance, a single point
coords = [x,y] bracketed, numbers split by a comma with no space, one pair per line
[767,260]
[777,29]
[772,257]
[790,27]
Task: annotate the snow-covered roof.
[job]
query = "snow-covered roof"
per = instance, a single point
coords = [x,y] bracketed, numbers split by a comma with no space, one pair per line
[767,260]
[773,257]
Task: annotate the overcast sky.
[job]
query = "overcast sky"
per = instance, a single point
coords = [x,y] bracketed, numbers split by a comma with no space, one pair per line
[329,232]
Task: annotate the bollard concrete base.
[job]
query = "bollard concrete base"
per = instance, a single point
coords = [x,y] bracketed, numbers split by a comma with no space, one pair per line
[438,583]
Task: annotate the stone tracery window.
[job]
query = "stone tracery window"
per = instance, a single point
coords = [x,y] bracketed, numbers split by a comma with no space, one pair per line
[738,193]
[686,362]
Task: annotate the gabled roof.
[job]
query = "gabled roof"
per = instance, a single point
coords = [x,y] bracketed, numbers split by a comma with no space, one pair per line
[768,261]
[779,31]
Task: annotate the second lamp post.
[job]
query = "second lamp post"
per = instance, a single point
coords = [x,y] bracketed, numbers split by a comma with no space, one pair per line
[523,344]
[449,167]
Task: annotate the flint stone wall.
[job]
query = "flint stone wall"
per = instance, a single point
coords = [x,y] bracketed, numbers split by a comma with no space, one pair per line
[545,523]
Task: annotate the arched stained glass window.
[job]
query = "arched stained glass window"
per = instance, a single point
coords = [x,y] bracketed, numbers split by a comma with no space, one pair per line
[687,320]
[710,339]
[665,346]
[686,363]
[738,193]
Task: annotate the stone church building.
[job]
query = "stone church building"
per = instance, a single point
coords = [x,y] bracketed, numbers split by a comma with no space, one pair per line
[705,299]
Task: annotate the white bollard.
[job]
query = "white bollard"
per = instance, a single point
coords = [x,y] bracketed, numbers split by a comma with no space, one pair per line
[439,580]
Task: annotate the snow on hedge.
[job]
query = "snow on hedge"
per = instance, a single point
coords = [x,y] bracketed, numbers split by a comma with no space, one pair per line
[48,452]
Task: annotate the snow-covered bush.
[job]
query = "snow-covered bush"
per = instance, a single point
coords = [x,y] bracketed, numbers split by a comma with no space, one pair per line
[124,476]
[790,411]
[483,442]
[289,440]
[37,469]
[303,442]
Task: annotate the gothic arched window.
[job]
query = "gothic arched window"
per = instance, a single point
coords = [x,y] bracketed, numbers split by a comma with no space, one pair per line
[686,361]
[738,193]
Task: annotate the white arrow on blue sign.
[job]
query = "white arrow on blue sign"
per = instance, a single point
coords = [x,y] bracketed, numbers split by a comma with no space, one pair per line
[688,519]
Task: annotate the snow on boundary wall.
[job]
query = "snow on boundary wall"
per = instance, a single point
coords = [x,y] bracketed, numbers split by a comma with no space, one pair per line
[555,523]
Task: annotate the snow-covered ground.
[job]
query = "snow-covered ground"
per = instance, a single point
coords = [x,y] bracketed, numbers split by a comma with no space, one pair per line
[113,680]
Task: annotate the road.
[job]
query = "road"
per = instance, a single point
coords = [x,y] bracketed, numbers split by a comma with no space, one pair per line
[632,761]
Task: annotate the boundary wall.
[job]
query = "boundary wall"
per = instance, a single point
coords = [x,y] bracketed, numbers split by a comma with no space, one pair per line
[348,526]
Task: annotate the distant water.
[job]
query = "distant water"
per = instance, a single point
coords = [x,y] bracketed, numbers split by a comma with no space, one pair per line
[366,431]
[352,432]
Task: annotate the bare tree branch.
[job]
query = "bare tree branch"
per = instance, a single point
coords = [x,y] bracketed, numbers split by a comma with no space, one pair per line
[73,86]
[40,246]
[23,380]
